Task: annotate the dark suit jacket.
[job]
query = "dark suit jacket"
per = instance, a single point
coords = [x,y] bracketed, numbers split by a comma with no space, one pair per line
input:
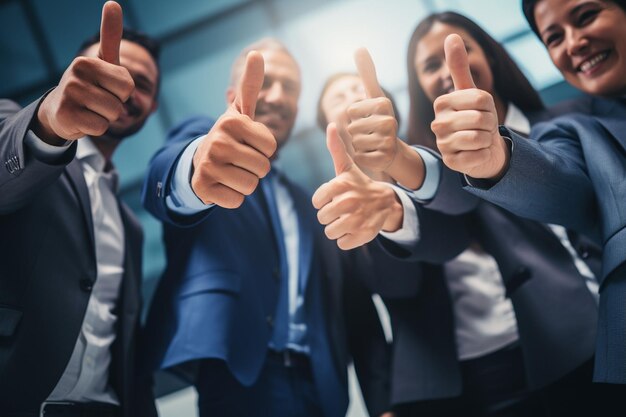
[47,271]
[217,297]
[573,175]
[556,314]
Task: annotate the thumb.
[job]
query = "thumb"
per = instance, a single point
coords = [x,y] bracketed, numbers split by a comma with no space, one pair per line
[458,64]
[111,28]
[367,72]
[250,84]
[341,159]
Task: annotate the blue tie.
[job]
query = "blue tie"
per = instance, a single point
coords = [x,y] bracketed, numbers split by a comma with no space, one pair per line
[281,319]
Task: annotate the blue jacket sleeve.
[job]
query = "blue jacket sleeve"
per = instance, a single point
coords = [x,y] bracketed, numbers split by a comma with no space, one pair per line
[162,167]
[547,179]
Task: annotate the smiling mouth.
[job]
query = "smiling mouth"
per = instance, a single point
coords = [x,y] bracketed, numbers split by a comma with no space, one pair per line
[593,62]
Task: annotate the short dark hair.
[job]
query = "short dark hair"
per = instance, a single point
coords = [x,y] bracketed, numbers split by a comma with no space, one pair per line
[528,6]
[148,43]
[322,122]
[510,83]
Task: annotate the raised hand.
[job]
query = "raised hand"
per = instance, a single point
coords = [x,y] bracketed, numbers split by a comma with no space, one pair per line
[466,121]
[92,91]
[373,128]
[353,207]
[373,124]
[236,152]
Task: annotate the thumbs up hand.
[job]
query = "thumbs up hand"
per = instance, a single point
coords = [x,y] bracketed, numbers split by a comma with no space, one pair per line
[92,90]
[466,121]
[373,124]
[374,129]
[236,152]
[353,207]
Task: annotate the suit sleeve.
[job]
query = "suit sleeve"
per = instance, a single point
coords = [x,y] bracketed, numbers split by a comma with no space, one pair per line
[441,238]
[450,197]
[547,179]
[371,354]
[162,168]
[22,175]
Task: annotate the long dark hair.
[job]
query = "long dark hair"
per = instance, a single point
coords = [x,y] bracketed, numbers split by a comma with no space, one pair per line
[510,84]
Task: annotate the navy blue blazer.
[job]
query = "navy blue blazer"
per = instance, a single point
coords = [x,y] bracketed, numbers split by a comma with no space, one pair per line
[219,291]
[573,174]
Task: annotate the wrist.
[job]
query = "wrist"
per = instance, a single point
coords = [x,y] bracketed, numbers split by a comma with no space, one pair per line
[504,150]
[40,125]
[407,168]
[393,221]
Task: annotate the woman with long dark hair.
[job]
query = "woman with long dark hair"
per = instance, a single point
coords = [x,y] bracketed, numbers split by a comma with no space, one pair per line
[490,332]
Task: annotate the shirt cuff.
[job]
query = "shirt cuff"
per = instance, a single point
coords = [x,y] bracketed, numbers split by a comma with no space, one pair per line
[182,199]
[43,151]
[432,175]
[408,235]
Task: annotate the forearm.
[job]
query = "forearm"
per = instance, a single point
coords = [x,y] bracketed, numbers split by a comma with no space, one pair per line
[407,167]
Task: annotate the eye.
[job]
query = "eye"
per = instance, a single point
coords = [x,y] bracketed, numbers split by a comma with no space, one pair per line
[552,39]
[431,66]
[587,17]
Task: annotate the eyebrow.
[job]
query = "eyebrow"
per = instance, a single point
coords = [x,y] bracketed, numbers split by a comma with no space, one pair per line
[571,13]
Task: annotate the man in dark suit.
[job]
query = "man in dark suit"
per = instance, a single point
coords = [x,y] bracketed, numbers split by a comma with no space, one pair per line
[572,174]
[255,301]
[70,274]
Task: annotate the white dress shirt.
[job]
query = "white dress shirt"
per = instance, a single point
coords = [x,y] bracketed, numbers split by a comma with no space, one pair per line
[86,376]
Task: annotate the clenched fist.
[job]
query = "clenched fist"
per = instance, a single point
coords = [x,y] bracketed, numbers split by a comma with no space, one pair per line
[92,91]
[353,207]
[466,122]
[236,152]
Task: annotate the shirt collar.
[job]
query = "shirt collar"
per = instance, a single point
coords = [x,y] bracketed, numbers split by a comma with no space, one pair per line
[516,120]
[87,153]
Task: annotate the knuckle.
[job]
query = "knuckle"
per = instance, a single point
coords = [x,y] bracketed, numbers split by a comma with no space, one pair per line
[250,185]
[440,104]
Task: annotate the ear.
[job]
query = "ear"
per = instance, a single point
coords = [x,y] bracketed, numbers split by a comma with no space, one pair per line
[155,106]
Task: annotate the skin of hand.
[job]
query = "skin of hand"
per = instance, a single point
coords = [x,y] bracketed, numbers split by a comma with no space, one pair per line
[466,122]
[92,90]
[374,128]
[353,207]
[233,156]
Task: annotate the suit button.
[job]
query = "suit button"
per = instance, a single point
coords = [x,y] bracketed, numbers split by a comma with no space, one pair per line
[270,321]
[86,285]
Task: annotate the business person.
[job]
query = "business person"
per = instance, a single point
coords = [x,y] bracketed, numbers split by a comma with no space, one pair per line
[255,303]
[571,174]
[493,298]
[70,275]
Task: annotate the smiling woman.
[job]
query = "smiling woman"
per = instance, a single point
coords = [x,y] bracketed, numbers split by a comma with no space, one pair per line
[586,41]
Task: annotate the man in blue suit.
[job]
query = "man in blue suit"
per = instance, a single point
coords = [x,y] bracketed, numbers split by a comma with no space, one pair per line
[255,301]
[573,173]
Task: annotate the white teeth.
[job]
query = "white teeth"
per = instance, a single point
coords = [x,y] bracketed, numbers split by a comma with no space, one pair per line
[589,64]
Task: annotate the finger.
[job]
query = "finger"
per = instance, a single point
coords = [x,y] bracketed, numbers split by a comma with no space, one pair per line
[90,123]
[464,120]
[250,84]
[466,140]
[458,64]
[252,133]
[342,205]
[351,241]
[338,228]
[324,195]
[341,159]
[366,108]
[367,72]
[102,103]
[111,28]
[473,99]
[220,195]
[251,160]
[115,79]
[238,179]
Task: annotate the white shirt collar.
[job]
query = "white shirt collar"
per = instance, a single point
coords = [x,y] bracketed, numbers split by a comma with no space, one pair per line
[516,120]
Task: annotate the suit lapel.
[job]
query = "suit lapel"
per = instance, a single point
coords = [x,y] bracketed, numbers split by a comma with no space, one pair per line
[77,179]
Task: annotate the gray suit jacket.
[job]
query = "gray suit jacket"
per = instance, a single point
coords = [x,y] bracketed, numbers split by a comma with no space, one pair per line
[47,271]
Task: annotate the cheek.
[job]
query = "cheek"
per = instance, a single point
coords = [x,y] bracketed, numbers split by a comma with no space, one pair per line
[429,85]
